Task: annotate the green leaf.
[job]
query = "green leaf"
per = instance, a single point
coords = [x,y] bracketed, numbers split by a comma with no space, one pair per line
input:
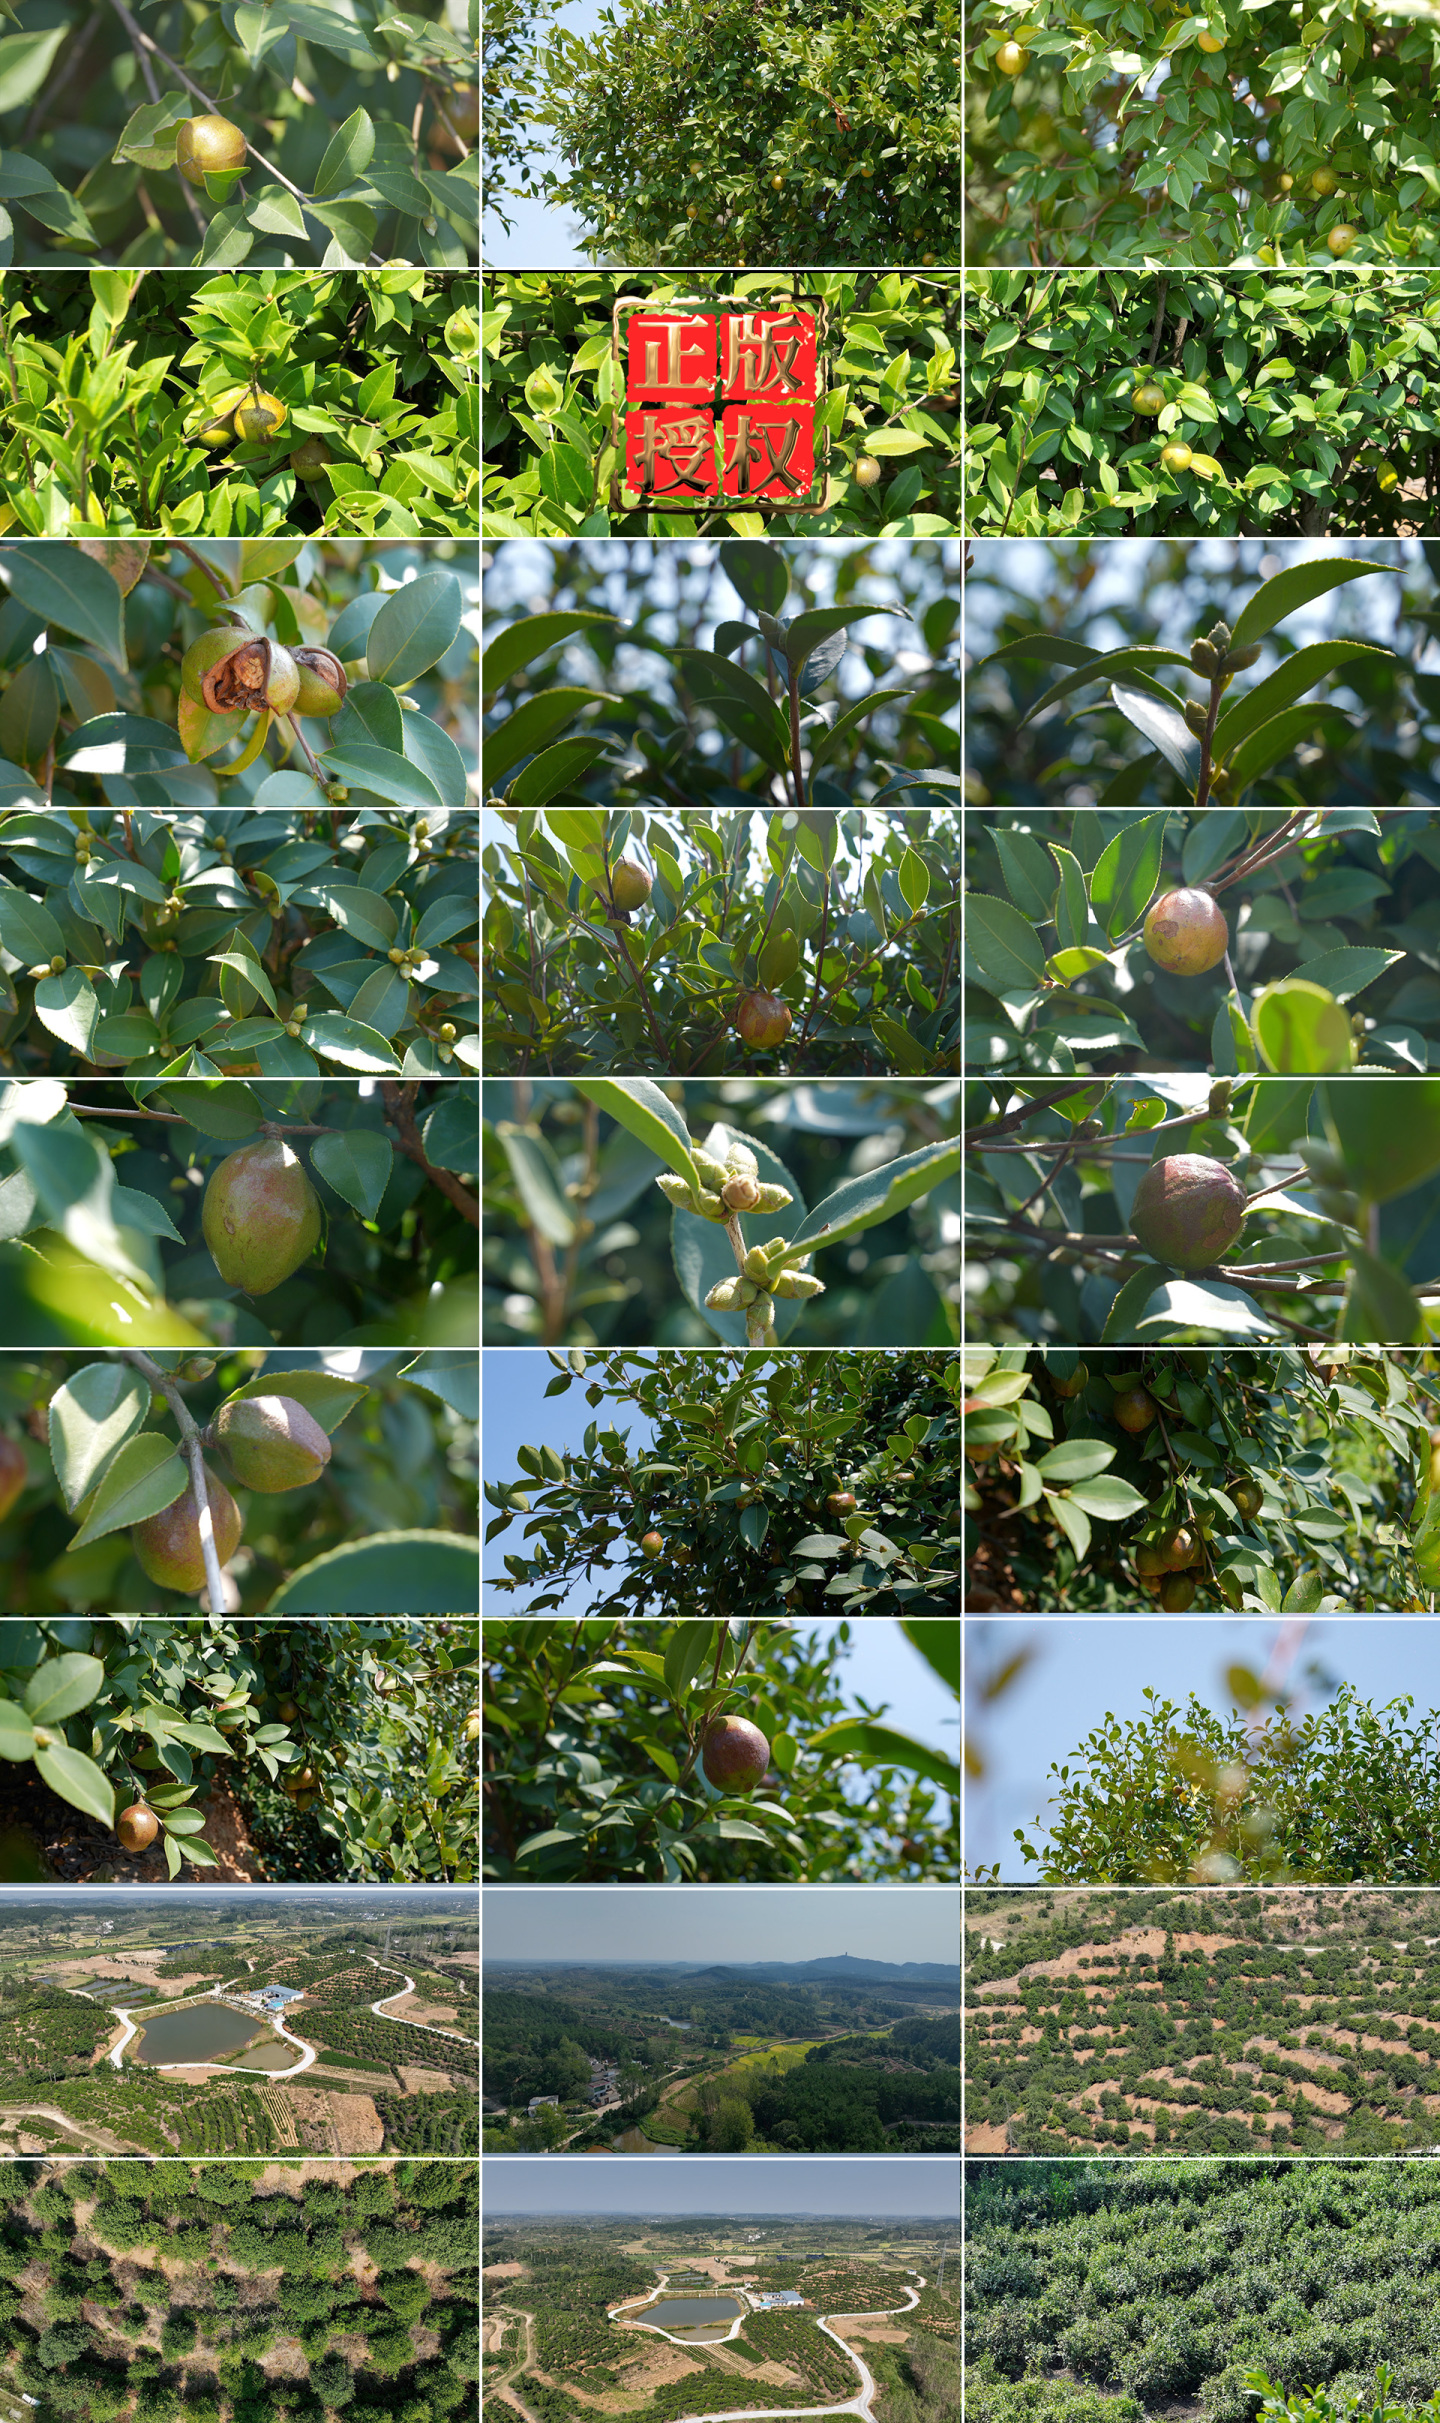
[1130,1303]
[1388,1132]
[938,1641]
[519,646]
[414,628]
[143,1477]
[1348,970]
[1379,1308]
[913,877]
[1164,727]
[1072,908]
[349,1044]
[1293,588]
[1028,874]
[872,1745]
[25,62]
[61,1687]
[357,1163]
[1075,1460]
[63,586]
[685,1652]
[347,154]
[325,1396]
[1004,946]
[1126,874]
[805,634]
[539,1185]
[27,929]
[639,1105]
[1301,1029]
[1108,666]
[1109,1498]
[1252,708]
[534,725]
[405,1572]
[77,1779]
[17,1731]
[878,1195]
[90,1418]
[75,1185]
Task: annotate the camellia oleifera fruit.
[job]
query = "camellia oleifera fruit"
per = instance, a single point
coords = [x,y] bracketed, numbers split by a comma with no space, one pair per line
[762,1020]
[261,1216]
[1188,1211]
[311,459]
[208,146]
[323,682]
[14,1472]
[840,1501]
[1134,1409]
[136,1827]
[251,675]
[1148,398]
[272,1443]
[630,885]
[168,1544]
[1249,1498]
[1181,1548]
[1185,931]
[652,1547]
[734,1754]
[1178,1593]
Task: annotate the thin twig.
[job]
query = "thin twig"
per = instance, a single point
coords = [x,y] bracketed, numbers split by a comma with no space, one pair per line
[193,1451]
[399,1106]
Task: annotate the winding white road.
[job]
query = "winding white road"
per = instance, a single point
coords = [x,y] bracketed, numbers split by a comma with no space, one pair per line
[858,2405]
[400,2019]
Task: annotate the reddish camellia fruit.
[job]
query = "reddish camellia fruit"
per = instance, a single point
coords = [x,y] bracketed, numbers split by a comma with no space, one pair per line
[1181,1548]
[840,1501]
[1178,1594]
[136,1827]
[1150,1560]
[652,1546]
[1078,1379]
[13,1473]
[168,1544]
[261,1216]
[762,1020]
[1134,1409]
[1188,1211]
[1185,932]
[734,1755]
[272,1442]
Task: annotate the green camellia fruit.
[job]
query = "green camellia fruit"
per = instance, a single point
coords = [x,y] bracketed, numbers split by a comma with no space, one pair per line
[272,1443]
[1180,1548]
[1178,1594]
[1249,1498]
[14,1472]
[867,471]
[323,682]
[1188,1211]
[1151,1560]
[311,459]
[1185,931]
[734,1755]
[1078,1380]
[252,675]
[208,146]
[261,1216]
[1340,240]
[630,885]
[652,1547]
[209,650]
[1148,399]
[1176,458]
[1134,1409]
[1011,59]
[168,1544]
[762,1020]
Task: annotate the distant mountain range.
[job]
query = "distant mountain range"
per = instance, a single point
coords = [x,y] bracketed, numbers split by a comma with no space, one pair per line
[840,1968]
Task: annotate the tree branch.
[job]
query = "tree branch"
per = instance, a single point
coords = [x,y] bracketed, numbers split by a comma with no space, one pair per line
[191,1448]
[399,1109]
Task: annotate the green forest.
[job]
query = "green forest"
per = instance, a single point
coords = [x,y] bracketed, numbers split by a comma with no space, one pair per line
[211,2292]
[1171,2281]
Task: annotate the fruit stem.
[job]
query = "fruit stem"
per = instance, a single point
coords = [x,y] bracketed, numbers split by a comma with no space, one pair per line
[193,1449]
[313,761]
[1207,738]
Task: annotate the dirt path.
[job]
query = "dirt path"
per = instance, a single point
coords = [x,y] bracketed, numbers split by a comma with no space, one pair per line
[502,2388]
[87,2134]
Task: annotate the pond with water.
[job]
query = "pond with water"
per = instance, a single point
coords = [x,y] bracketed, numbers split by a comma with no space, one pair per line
[675,2313]
[635,2141]
[204,2031]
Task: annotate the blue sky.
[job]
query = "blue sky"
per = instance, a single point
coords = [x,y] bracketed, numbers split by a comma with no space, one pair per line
[1084,1670]
[542,239]
[725,1923]
[879,1663]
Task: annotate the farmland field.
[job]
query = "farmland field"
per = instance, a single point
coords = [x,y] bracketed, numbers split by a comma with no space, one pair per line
[1159,2285]
[1226,2023]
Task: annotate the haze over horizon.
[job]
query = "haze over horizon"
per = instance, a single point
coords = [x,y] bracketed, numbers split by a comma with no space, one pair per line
[720,1925]
[733,2187]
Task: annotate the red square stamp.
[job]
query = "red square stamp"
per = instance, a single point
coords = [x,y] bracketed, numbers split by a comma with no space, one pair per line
[670,354]
[768,353]
[769,450]
[671,452]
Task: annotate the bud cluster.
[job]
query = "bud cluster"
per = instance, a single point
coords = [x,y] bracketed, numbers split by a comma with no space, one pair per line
[726,1187]
[764,1277]
[1215,658]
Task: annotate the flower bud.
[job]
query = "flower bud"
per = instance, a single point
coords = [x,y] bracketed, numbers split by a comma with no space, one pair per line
[732,1295]
[1204,658]
[712,1171]
[742,1194]
[1239,658]
[671,1185]
[756,1266]
[797,1283]
[323,682]
[255,674]
[740,1158]
[710,1206]
[773,1198]
[1196,716]
[1219,638]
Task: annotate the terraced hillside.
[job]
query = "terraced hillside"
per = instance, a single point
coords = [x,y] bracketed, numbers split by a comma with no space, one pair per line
[1241,2023]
